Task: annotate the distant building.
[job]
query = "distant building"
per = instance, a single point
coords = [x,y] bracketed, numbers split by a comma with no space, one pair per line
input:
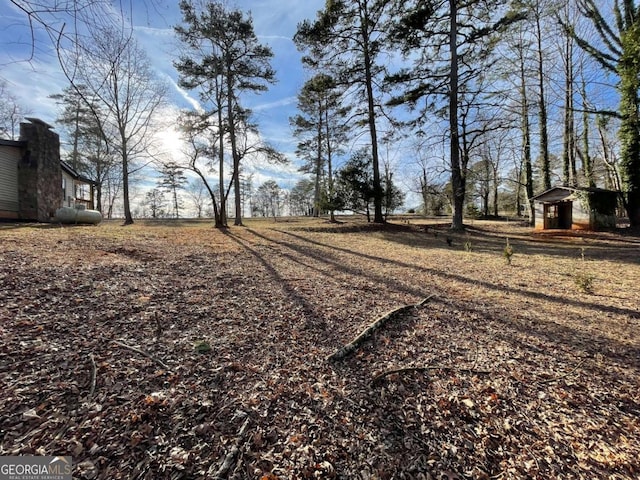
[34,182]
[576,208]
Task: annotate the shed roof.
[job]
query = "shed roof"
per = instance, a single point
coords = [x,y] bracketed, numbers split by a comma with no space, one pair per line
[562,193]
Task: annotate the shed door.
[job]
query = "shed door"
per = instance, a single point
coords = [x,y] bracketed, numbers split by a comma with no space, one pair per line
[9,157]
[565,215]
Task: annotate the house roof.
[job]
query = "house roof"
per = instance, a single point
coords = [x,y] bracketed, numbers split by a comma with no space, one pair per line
[12,143]
[560,193]
[75,175]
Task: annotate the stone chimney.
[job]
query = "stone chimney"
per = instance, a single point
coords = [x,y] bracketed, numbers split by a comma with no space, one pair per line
[39,172]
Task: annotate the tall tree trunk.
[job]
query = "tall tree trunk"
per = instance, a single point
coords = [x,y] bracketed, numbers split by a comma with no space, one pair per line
[569,173]
[99,177]
[128,218]
[318,172]
[457,176]
[519,190]
[234,144]
[629,133]
[221,216]
[495,191]
[587,161]
[236,193]
[76,138]
[544,136]
[98,205]
[526,142]
[330,192]
[175,202]
[377,184]
[424,190]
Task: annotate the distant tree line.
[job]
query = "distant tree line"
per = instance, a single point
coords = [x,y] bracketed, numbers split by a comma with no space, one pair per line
[503,99]
[498,100]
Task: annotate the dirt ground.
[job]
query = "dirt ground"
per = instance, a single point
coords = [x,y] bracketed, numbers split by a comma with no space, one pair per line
[177,351]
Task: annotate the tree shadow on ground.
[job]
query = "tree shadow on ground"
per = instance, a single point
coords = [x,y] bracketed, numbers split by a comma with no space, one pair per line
[313,318]
[452,276]
[550,331]
[567,244]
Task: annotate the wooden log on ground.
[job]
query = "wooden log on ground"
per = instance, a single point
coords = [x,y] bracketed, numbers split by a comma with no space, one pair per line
[352,346]
[230,457]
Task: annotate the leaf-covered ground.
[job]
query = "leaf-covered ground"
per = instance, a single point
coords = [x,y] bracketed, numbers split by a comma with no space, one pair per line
[179,351]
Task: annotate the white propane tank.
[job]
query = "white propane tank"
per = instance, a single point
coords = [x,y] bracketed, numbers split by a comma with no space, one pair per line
[71,215]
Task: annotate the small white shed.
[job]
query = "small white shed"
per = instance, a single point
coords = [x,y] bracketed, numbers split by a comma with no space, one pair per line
[576,208]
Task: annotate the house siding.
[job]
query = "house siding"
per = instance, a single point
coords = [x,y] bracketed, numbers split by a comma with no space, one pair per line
[9,200]
[68,190]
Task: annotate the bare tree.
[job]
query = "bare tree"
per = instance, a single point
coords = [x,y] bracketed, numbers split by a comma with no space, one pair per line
[117,74]
[198,194]
[11,113]
[269,198]
[199,154]
[65,23]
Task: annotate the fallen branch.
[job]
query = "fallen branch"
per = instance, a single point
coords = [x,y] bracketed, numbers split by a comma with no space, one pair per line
[233,453]
[59,434]
[380,376]
[142,352]
[350,347]
[158,325]
[94,371]
[560,377]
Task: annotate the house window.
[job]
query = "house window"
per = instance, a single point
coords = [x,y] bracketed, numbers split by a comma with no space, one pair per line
[83,192]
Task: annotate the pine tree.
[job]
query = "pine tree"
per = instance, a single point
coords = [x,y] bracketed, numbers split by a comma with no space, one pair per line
[172,179]
[90,154]
[321,131]
[354,184]
[455,40]
[345,40]
[619,55]
[224,60]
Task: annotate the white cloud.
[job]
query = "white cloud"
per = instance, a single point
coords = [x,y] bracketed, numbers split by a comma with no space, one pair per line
[31,83]
[283,102]
[185,95]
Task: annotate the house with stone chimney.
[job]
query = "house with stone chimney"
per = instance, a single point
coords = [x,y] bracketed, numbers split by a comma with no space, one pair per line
[34,182]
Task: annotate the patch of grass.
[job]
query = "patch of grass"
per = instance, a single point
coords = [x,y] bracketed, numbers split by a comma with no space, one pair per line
[583,278]
[584,282]
[507,253]
[202,346]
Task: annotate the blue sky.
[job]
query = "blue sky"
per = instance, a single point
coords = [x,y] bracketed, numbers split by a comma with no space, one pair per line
[31,79]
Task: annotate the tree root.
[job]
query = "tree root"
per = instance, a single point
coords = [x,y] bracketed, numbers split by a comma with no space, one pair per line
[94,375]
[352,346]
